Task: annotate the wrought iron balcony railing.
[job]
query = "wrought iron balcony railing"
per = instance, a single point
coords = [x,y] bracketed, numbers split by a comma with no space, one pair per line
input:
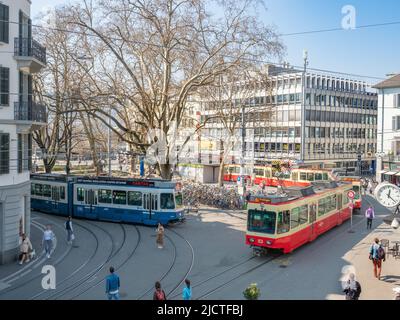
[27,47]
[30,111]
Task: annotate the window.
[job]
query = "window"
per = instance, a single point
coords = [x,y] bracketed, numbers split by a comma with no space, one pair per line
[179,199]
[294,218]
[310,176]
[62,192]
[261,221]
[303,176]
[104,196]
[322,206]
[396,123]
[119,197]
[4,23]
[4,86]
[38,189]
[46,191]
[283,222]
[134,198]
[167,201]
[80,194]
[32,189]
[396,101]
[4,153]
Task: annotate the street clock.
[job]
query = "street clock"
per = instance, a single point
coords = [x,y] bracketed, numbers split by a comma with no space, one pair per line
[388,194]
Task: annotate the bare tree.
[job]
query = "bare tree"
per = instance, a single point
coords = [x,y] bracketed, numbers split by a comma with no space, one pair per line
[151,55]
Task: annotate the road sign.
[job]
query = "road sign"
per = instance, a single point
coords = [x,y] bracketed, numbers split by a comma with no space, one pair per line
[351,194]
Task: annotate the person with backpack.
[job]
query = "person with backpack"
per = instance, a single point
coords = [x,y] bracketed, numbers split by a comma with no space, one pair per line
[377,254]
[159,293]
[370,215]
[112,285]
[352,288]
[70,230]
[187,291]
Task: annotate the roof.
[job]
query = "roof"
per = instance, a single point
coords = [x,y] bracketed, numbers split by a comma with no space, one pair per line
[393,82]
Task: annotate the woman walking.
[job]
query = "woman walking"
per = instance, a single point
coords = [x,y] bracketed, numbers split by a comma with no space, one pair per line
[160,236]
[26,245]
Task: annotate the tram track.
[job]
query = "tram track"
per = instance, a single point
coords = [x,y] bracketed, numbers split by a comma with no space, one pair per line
[124,262]
[94,271]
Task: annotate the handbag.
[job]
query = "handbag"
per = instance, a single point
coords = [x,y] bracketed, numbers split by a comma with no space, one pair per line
[72,237]
[395,223]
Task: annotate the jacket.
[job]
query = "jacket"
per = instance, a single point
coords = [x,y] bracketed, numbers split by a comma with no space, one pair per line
[26,245]
[374,251]
[369,213]
[187,293]
[112,283]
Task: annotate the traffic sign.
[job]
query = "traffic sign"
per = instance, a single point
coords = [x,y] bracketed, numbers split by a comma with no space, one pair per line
[351,194]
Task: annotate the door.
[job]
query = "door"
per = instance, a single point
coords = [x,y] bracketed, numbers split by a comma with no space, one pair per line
[150,206]
[313,218]
[90,202]
[55,198]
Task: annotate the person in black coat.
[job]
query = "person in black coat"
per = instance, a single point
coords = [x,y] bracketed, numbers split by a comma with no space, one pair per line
[352,288]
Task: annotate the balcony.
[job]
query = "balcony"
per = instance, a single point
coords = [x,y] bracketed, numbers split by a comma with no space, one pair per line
[30,113]
[31,56]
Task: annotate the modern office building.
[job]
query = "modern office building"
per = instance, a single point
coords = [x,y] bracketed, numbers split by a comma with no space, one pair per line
[388,166]
[317,119]
[20,57]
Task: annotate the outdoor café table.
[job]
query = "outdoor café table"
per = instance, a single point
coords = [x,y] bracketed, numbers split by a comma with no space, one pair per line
[397,246]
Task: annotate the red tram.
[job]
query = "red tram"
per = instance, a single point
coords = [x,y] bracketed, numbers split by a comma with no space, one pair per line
[287,222]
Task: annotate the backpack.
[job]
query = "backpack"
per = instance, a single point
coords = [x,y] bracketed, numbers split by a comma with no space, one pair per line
[160,295]
[381,253]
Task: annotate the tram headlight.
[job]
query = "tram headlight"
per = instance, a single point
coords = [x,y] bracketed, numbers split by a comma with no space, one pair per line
[268,242]
[251,240]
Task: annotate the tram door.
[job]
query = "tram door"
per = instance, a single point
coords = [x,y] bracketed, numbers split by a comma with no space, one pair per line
[150,205]
[313,218]
[55,197]
[90,202]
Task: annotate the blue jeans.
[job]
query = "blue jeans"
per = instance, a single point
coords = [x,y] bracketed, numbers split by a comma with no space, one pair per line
[114,296]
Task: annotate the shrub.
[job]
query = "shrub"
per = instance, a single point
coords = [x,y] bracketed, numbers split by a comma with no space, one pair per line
[252,292]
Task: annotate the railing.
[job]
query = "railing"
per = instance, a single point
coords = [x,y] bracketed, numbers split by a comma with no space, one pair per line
[27,47]
[30,111]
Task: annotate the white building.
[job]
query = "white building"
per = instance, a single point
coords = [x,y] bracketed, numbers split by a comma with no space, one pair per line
[389,129]
[20,57]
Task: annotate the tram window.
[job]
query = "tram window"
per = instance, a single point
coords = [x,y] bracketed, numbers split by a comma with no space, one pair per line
[283,222]
[294,218]
[295,176]
[339,201]
[134,198]
[259,172]
[119,197]
[325,176]
[178,199]
[38,189]
[47,190]
[104,196]
[333,203]
[345,199]
[310,176]
[322,206]
[167,201]
[261,221]
[80,194]
[32,189]
[303,176]
[303,216]
[318,176]
[268,173]
[356,189]
[62,193]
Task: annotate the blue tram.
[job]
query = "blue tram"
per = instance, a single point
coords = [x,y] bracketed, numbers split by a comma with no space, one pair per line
[108,199]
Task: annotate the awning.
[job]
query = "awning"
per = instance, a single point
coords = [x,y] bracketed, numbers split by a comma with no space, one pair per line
[398,174]
[391,173]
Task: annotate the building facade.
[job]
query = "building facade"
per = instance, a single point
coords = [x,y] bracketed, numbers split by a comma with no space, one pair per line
[389,130]
[318,120]
[20,57]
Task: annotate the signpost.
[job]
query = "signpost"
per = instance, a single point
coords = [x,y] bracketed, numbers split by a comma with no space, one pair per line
[351,194]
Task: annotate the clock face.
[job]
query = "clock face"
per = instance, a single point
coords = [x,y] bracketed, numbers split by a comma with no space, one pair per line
[388,194]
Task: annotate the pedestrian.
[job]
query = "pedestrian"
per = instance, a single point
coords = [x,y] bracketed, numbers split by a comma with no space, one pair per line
[352,288]
[26,245]
[396,293]
[70,230]
[160,236]
[370,186]
[370,215]
[159,293]
[377,254]
[187,290]
[47,242]
[112,285]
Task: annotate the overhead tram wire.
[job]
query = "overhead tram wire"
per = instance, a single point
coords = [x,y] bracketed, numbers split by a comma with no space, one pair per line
[225,55]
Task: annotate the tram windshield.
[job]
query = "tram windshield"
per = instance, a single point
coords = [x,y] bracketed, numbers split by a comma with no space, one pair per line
[261,221]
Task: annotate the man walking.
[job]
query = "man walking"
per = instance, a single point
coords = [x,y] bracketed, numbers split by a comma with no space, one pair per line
[47,242]
[112,285]
[370,215]
[70,230]
[353,288]
[377,254]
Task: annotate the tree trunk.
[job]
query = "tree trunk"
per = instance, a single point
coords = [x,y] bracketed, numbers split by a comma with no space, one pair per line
[48,168]
[221,174]
[165,171]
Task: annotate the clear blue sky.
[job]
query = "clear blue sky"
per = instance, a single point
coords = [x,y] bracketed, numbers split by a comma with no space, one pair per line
[370,51]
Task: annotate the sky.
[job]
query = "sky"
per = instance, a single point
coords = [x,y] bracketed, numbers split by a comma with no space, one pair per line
[367,51]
